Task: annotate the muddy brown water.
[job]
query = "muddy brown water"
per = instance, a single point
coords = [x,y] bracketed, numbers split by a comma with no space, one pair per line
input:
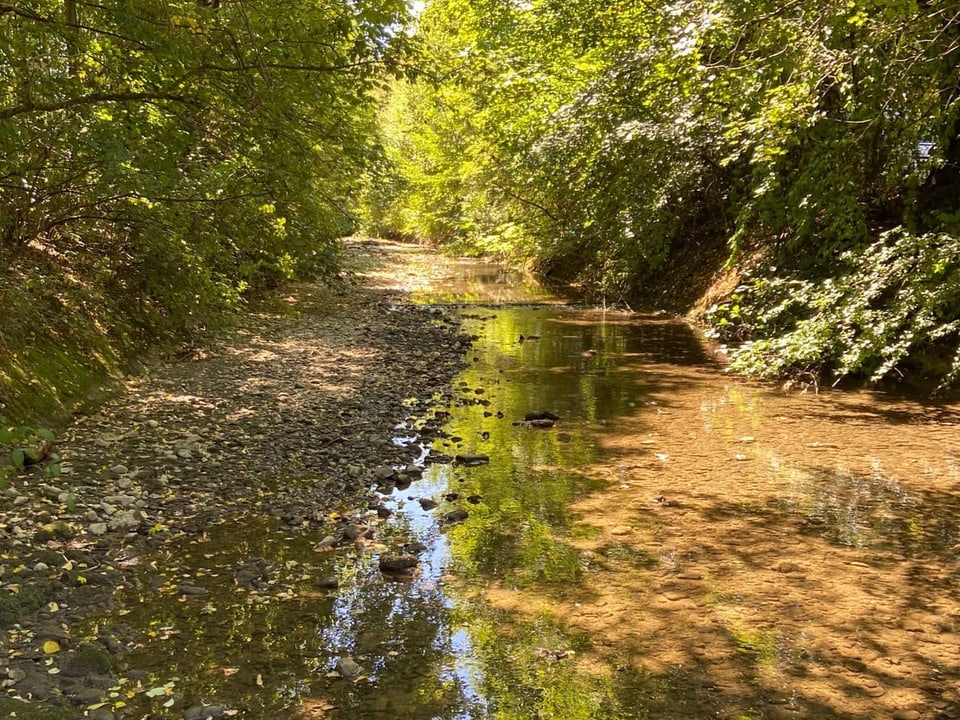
[681,544]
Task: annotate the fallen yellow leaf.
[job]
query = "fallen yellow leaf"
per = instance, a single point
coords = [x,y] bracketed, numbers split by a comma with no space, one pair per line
[51,646]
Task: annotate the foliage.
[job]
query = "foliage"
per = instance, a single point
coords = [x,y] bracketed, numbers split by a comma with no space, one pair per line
[21,446]
[601,140]
[166,159]
[894,303]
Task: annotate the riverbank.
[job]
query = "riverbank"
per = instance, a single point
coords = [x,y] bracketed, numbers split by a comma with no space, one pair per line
[287,421]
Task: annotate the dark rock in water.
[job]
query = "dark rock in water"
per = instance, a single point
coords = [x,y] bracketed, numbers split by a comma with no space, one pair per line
[256,572]
[331,582]
[474,499]
[36,684]
[450,497]
[428,503]
[89,659]
[472,460]
[111,643]
[398,564]
[457,515]
[204,712]
[85,695]
[414,547]
[384,512]
[543,423]
[403,482]
[542,415]
[191,590]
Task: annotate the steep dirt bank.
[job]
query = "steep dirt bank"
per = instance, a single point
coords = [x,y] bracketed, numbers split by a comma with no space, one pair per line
[287,420]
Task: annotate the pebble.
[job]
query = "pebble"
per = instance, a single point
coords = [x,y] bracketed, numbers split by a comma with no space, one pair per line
[355,530]
[204,712]
[384,472]
[347,667]
[50,491]
[123,501]
[97,529]
[127,521]
[187,589]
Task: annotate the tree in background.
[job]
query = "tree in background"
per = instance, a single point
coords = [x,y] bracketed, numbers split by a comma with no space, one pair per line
[163,158]
[605,142]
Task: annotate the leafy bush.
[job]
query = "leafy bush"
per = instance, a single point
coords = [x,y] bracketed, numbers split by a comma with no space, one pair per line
[21,446]
[890,304]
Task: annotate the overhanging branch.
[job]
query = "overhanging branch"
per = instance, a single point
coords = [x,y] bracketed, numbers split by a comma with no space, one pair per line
[91,99]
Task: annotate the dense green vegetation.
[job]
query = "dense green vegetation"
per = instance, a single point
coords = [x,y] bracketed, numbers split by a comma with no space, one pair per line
[812,144]
[160,160]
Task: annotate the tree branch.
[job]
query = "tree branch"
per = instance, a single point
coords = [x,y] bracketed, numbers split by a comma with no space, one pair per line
[285,66]
[91,99]
[22,12]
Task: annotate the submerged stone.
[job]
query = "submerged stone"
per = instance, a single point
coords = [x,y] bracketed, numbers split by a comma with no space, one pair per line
[472,460]
[397,564]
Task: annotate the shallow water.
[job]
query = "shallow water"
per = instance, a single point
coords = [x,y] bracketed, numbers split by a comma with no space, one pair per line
[681,544]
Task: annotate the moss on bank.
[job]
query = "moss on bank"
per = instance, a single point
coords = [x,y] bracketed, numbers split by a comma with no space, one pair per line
[57,344]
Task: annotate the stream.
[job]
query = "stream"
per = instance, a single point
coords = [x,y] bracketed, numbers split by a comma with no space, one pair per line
[680,543]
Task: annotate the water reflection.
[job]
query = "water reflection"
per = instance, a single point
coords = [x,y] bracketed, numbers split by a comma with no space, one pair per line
[679,545]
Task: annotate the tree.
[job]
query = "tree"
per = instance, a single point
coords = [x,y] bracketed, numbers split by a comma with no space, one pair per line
[606,141]
[158,160]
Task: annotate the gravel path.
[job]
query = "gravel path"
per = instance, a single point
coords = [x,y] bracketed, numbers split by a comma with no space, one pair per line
[292,416]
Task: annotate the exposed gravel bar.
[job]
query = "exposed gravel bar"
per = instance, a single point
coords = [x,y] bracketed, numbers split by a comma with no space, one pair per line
[291,415]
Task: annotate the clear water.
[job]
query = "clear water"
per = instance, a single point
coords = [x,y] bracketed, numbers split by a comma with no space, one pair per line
[680,544]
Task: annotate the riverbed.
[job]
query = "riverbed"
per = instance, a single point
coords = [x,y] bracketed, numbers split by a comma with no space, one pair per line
[605,524]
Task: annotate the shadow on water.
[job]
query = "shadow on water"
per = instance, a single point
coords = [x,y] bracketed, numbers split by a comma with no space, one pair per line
[677,545]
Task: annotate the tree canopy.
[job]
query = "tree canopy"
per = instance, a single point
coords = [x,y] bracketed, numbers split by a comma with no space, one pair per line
[208,140]
[163,158]
[604,141]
